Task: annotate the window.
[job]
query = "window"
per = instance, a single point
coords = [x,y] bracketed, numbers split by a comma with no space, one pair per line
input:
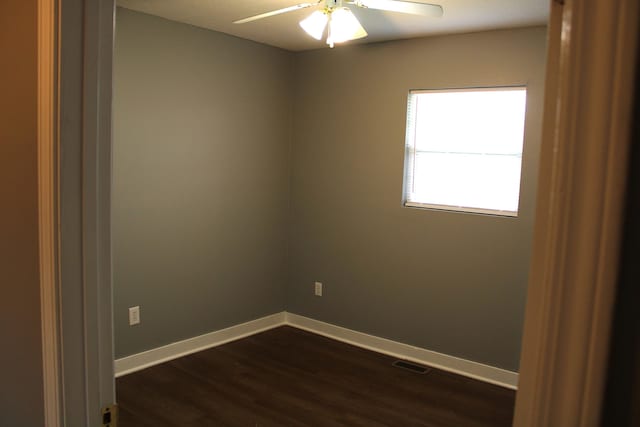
[464,149]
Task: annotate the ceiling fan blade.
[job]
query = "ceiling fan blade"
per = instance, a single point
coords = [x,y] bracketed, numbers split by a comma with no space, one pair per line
[275,12]
[401,6]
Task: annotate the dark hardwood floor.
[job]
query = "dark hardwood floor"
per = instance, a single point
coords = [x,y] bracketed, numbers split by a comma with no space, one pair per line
[286,377]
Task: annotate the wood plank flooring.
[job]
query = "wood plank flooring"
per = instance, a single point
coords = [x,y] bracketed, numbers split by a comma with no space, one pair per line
[286,377]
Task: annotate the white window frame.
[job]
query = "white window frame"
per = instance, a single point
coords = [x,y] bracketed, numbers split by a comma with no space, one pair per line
[409,164]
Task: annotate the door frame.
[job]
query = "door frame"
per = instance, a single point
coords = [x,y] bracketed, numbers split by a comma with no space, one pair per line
[75,50]
[579,212]
[47,211]
[574,265]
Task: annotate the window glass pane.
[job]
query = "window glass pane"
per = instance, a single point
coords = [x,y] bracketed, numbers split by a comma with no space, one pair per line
[464,148]
[467,180]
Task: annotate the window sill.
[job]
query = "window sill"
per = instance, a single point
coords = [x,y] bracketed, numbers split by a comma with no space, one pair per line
[462,209]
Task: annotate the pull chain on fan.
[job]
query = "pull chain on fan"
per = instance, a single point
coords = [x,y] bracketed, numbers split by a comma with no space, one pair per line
[341,22]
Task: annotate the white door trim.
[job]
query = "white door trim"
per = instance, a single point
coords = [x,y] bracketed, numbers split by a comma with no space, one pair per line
[572,284]
[47,210]
[74,150]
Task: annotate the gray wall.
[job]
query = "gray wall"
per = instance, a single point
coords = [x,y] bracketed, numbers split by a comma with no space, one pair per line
[202,125]
[21,399]
[449,282]
[215,224]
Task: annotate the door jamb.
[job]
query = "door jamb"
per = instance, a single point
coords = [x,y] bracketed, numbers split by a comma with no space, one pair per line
[47,211]
[75,48]
[577,235]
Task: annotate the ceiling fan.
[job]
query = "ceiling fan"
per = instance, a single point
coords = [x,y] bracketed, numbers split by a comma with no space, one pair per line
[342,23]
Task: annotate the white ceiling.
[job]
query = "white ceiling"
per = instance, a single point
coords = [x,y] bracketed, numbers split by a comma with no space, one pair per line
[283,31]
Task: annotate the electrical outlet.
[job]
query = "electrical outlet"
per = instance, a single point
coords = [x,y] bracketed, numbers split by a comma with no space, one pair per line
[134,315]
[318,289]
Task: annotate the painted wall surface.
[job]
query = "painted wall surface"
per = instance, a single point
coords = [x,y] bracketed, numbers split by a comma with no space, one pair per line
[21,399]
[449,282]
[202,125]
[214,225]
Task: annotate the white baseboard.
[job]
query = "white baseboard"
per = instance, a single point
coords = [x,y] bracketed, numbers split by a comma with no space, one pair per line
[143,360]
[395,349]
[398,350]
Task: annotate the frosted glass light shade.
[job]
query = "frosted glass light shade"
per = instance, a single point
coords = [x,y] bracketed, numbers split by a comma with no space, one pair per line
[344,26]
[314,24]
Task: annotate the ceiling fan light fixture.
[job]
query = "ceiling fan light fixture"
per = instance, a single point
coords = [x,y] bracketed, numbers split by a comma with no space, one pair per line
[344,26]
[315,23]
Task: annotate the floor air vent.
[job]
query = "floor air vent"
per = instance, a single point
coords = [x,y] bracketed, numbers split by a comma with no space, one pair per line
[413,367]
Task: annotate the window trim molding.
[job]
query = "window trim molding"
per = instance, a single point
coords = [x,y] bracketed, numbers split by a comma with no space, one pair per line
[504,88]
[410,154]
[461,209]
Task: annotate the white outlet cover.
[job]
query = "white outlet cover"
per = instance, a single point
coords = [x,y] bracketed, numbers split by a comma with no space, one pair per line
[134,315]
[318,289]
